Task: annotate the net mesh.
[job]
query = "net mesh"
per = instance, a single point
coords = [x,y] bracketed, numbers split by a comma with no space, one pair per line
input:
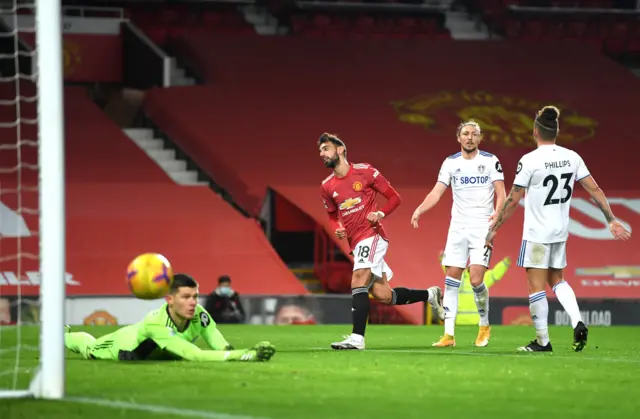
[19,247]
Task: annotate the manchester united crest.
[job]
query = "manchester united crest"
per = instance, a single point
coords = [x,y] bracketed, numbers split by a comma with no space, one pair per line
[357,186]
[505,120]
[100,318]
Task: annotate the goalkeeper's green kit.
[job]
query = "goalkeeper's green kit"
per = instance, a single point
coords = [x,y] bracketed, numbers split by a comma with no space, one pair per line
[157,337]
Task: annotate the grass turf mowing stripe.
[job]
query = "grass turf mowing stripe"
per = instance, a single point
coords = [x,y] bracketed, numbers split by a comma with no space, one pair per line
[116,404]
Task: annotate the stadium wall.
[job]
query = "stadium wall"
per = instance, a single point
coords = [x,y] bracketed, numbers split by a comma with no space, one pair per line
[315,309]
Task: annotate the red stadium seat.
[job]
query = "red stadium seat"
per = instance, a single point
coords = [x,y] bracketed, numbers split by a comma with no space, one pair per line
[298,23]
[211,18]
[321,21]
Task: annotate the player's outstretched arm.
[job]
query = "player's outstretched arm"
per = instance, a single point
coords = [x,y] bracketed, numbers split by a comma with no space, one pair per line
[429,202]
[190,352]
[211,334]
[617,229]
[510,204]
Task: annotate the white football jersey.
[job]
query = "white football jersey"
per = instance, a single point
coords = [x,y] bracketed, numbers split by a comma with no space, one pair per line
[471,184]
[549,174]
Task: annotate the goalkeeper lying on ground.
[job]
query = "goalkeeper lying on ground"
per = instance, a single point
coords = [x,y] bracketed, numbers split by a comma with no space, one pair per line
[168,333]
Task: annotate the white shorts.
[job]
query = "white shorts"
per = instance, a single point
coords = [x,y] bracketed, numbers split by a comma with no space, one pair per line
[369,253]
[542,255]
[466,244]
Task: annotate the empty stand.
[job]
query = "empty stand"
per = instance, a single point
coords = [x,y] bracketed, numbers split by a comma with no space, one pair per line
[331,19]
[381,95]
[612,27]
[160,105]
[163,22]
[357,20]
[120,204]
[201,235]
[97,148]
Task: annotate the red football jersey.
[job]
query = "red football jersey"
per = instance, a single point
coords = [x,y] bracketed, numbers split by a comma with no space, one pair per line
[354,196]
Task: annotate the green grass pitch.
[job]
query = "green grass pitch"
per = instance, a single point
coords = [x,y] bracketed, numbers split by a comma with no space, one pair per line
[399,375]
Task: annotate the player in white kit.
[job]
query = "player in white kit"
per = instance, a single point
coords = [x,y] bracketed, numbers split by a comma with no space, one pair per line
[548,174]
[476,180]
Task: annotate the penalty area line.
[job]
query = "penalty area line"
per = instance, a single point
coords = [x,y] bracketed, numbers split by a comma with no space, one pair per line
[523,355]
[117,404]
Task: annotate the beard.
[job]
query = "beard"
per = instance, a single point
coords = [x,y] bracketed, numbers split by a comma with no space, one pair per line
[331,163]
[470,149]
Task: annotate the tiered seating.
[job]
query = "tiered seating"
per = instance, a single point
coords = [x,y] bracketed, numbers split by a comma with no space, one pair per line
[120,204]
[357,20]
[361,27]
[168,21]
[615,38]
[496,5]
[285,95]
[163,20]
[491,8]
[609,26]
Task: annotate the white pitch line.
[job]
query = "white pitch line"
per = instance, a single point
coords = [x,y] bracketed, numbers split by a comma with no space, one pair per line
[115,404]
[523,355]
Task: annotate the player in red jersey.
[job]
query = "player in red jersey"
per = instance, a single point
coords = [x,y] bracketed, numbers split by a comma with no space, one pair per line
[349,196]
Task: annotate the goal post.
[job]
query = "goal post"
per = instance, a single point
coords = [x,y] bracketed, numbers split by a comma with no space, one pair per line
[48,378]
[49,383]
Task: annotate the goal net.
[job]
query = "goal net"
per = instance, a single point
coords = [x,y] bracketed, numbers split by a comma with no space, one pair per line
[32,239]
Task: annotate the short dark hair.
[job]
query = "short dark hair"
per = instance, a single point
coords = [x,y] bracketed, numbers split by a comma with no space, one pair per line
[332,138]
[182,280]
[547,123]
[224,278]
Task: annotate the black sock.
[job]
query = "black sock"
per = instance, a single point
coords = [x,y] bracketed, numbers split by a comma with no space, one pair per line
[406,296]
[360,298]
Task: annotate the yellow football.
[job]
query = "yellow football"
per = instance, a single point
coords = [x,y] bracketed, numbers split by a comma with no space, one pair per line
[150,276]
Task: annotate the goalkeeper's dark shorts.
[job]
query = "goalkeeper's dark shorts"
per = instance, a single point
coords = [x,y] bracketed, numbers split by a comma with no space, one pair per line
[109,346]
